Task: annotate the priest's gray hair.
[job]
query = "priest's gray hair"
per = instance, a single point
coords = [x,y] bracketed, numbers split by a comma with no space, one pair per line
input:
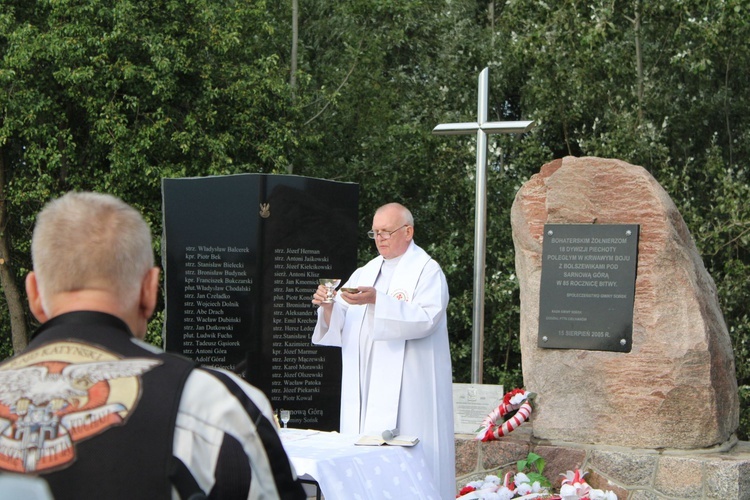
[406,215]
[85,241]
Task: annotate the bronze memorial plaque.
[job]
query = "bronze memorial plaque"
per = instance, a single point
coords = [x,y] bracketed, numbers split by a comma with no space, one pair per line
[588,286]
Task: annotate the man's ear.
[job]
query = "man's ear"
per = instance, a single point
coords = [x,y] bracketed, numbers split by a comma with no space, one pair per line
[149,293]
[35,299]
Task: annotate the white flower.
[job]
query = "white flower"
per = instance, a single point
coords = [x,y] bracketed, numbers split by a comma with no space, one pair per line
[573,491]
[521,478]
[524,486]
[492,479]
[602,495]
[519,398]
[523,489]
[504,494]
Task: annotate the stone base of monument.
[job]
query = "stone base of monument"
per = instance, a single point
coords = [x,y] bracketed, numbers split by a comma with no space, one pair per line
[632,474]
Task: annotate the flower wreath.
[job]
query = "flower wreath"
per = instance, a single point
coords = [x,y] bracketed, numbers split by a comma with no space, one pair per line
[520,486]
[513,486]
[517,399]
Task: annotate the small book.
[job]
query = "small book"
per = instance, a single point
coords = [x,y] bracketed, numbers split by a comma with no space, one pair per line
[374,440]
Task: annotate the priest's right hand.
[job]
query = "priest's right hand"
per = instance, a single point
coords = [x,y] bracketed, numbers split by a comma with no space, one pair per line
[319,297]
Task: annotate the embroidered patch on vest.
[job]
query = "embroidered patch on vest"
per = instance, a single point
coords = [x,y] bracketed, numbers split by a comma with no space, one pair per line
[400,294]
[59,394]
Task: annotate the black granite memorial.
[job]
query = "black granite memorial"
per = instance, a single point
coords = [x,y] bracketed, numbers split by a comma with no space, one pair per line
[242,257]
[587,287]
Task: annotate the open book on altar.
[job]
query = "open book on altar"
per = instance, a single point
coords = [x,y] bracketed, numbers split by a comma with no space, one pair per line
[375,440]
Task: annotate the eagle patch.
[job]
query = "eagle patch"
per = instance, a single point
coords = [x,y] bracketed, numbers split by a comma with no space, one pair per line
[59,394]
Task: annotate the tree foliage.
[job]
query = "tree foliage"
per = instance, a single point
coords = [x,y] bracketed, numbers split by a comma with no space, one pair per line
[114,96]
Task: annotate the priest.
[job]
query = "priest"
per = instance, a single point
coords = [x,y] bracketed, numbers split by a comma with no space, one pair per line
[389,319]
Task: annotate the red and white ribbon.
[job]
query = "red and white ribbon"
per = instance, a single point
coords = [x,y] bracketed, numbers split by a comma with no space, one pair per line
[514,400]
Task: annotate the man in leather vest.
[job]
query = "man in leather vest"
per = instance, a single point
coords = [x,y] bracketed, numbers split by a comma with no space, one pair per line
[97,412]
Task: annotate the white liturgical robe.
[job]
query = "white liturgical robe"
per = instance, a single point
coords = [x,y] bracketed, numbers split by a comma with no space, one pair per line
[396,358]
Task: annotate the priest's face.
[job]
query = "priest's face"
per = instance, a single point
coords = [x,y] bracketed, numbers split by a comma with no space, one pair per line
[392,235]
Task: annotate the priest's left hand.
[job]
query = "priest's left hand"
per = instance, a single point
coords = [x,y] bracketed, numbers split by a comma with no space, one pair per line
[366,295]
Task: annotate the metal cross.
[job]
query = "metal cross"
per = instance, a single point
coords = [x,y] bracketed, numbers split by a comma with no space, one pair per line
[482,127]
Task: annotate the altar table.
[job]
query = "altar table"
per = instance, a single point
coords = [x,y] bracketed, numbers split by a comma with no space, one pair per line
[346,471]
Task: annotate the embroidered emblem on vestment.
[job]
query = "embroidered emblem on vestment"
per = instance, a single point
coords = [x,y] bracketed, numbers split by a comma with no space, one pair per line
[400,294]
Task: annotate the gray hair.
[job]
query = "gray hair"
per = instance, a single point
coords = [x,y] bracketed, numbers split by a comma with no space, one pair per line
[406,216]
[90,241]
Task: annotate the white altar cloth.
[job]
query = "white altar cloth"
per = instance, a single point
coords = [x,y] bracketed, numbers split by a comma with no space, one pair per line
[345,471]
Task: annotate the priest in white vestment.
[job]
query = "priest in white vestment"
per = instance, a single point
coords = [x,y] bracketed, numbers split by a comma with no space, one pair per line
[393,336]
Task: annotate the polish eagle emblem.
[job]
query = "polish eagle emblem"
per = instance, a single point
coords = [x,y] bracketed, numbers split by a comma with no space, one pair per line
[49,399]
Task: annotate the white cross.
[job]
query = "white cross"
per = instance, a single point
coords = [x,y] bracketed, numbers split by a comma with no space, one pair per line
[482,127]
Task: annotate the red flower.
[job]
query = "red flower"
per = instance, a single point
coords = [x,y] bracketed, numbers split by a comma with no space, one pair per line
[466,489]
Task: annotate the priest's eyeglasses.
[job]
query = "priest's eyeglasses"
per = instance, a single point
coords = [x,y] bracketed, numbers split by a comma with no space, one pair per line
[383,234]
